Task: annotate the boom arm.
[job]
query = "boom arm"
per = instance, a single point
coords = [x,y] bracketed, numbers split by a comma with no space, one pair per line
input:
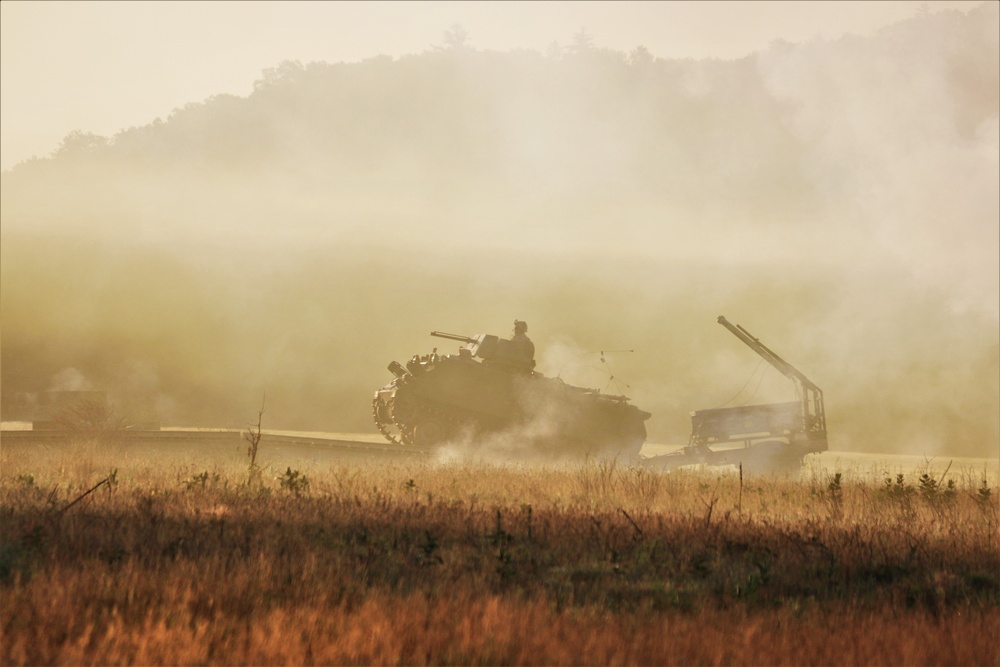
[816,420]
[769,355]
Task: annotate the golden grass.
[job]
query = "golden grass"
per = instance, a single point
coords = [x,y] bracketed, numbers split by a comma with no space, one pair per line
[181,562]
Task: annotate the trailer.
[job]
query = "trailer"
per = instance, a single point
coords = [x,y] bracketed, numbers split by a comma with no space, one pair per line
[760,438]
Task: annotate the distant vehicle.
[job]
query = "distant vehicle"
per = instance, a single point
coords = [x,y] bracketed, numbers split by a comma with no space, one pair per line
[772,437]
[490,388]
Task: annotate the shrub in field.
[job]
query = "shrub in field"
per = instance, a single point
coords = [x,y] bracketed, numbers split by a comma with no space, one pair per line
[835,497]
[93,417]
[294,482]
[201,480]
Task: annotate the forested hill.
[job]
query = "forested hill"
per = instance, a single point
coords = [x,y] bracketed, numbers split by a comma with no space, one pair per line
[838,198]
[456,136]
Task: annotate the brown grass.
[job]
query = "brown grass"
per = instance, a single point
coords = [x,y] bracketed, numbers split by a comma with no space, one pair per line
[175,563]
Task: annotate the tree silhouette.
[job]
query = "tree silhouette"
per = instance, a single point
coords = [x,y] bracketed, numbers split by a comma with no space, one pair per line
[80,143]
[456,37]
[640,57]
[583,41]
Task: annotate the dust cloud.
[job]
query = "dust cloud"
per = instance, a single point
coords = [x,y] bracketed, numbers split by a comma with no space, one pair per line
[839,199]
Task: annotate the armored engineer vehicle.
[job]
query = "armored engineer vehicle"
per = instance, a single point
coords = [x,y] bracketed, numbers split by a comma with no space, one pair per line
[489,388]
[762,438]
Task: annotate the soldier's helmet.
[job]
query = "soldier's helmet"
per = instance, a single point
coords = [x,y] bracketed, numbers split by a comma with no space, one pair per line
[520,326]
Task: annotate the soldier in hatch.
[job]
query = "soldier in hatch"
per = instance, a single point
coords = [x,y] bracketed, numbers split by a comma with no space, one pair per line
[522,344]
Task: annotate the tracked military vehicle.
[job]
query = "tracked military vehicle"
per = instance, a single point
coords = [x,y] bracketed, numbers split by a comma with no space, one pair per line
[489,391]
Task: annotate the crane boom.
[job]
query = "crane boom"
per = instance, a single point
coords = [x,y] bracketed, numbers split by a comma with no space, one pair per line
[813,409]
[771,357]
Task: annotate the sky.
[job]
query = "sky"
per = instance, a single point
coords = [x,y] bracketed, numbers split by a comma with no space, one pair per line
[102,67]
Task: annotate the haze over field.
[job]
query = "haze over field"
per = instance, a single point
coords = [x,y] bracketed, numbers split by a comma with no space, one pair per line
[837,197]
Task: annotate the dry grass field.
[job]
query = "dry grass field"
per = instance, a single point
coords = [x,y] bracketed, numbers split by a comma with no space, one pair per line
[187,558]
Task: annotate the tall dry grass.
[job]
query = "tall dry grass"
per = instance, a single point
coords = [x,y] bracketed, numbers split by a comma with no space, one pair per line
[175,561]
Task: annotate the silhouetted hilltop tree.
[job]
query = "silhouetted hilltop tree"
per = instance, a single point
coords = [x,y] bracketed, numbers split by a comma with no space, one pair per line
[456,38]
